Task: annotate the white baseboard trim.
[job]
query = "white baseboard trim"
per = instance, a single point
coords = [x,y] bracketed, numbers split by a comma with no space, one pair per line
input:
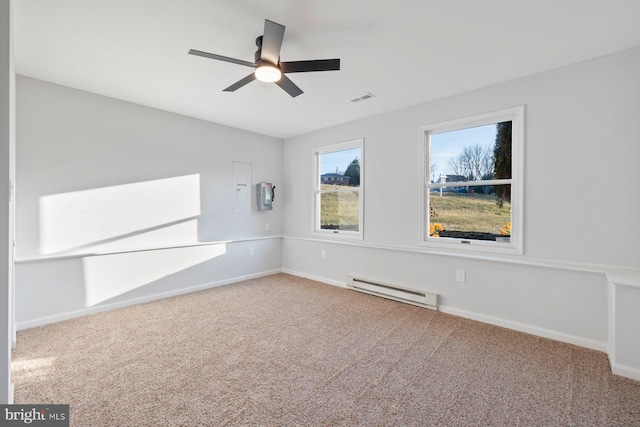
[625,371]
[529,329]
[315,278]
[619,369]
[106,307]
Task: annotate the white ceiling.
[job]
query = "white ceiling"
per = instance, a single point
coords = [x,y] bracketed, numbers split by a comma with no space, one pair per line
[405,52]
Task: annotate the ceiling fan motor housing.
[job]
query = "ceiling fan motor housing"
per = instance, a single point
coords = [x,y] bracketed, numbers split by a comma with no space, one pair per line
[258,53]
[267,65]
[257,57]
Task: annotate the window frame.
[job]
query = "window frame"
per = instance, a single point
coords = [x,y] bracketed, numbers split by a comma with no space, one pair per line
[317,183]
[516,244]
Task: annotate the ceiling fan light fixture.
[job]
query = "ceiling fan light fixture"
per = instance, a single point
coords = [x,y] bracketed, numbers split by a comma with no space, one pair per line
[267,66]
[268,73]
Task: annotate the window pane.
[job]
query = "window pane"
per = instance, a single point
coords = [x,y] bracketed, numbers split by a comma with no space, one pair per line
[340,168]
[481,213]
[339,210]
[473,154]
[339,181]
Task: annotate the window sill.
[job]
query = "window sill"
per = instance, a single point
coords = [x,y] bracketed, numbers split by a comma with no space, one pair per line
[471,246]
[337,234]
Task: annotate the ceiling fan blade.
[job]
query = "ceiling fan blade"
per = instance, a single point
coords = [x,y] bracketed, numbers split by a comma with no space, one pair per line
[314,65]
[272,41]
[289,86]
[221,58]
[237,85]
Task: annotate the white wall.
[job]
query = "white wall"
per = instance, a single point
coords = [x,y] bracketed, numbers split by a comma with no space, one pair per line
[7,147]
[75,149]
[582,201]
[102,176]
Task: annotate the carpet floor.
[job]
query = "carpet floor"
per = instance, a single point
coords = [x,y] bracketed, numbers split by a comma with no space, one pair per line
[286,351]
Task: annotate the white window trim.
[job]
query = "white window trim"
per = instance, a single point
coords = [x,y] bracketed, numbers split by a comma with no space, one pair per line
[346,234]
[516,244]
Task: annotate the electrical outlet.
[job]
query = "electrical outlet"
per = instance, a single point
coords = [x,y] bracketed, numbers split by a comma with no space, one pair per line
[267,226]
[252,252]
[461,275]
[323,254]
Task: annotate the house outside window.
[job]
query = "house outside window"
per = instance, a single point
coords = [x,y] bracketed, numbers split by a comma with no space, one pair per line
[473,173]
[338,185]
[334,178]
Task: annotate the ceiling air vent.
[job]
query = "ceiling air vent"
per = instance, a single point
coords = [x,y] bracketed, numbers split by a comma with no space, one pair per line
[362,97]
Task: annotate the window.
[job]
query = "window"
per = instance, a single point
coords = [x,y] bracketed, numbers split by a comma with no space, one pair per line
[473,183]
[338,189]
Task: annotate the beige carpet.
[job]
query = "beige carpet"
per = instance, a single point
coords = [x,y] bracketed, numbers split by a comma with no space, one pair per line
[285,351]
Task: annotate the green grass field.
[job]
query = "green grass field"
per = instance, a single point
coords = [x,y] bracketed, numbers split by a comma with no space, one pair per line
[339,210]
[469,212]
[454,211]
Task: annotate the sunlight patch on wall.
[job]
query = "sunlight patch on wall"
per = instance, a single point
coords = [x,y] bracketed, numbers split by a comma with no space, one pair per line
[121,217]
[108,276]
[183,232]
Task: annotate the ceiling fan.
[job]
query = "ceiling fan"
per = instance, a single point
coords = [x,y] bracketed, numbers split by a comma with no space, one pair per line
[268,67]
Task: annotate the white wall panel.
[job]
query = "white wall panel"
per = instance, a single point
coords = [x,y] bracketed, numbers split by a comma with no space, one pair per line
[560,304]
[582,143]
[54,290]
[582,201]
[102,176]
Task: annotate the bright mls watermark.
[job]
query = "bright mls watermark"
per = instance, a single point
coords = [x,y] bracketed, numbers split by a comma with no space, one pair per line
[34,415]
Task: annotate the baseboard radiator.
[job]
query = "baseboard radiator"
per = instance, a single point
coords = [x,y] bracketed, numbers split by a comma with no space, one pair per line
[409,296]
